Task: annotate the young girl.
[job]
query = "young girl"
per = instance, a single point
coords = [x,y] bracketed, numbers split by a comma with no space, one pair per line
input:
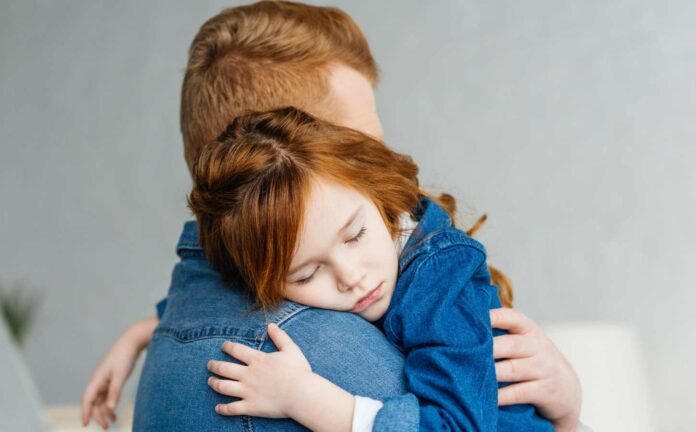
[325,216]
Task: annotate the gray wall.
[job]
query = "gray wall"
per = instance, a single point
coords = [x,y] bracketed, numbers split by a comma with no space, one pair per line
[569,123]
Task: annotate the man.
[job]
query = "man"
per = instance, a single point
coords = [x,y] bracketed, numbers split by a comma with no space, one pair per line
[264,56]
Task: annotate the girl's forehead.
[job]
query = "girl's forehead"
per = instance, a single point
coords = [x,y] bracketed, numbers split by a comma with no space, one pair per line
[329,206]
[331,211]
[332,196]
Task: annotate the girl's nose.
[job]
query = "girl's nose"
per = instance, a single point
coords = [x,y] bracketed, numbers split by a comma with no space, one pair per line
[349,278]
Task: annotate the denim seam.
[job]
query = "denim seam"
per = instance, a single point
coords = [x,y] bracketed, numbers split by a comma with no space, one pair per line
[247,423]
[194,334]
[292,310]
[440,236]
[289,312]
[187,253]
[256,338]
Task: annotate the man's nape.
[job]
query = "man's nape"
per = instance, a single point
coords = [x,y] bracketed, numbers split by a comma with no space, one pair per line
[350,101]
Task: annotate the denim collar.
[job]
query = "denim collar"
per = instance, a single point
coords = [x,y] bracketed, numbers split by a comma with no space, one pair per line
[189,238]
[431,218]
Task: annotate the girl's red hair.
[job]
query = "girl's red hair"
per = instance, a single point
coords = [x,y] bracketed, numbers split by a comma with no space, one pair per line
[251,185]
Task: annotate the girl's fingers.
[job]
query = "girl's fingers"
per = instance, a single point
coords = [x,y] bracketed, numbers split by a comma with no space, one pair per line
[86,412]
[233,409]
[226,369]
[518,393]
[512,346]
[281,339]
[241,352]
[96,384]
[107,414]
[110,414]
[512,320]
[516,370]
[226,387]
[98,415]
[114,392]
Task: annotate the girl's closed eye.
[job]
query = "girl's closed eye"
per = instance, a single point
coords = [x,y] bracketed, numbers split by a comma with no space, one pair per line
[308,278]
[357,237]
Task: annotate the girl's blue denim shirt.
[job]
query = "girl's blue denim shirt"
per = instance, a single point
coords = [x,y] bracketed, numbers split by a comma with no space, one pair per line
[438,343]
[439,319]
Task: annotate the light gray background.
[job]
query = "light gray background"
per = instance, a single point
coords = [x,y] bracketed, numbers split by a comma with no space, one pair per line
[570,123]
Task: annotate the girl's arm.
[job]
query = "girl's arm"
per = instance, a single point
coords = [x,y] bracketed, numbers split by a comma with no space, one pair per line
[103,391]
[440,321]
[542,375]
[280,384]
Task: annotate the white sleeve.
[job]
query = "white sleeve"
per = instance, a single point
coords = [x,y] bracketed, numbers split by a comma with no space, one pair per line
[366,409]
[583,428]
[364,413]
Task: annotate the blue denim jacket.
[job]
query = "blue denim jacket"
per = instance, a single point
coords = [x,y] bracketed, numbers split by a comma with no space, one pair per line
[439,319]
[201,312]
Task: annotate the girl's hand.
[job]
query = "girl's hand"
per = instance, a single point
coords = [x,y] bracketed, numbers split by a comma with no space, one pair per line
[104,389]
[544,378]
[100,399]
[265,383]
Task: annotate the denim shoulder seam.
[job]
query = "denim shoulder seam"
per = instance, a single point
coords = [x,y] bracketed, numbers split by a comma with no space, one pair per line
[438,241]
[446,243]
[189,335]
[290,310]
[254,337]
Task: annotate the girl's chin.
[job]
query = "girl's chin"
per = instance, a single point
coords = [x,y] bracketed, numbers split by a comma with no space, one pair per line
[374,312]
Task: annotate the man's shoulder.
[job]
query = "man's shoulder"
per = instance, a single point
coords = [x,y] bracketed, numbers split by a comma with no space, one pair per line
[348,351]
[340,346]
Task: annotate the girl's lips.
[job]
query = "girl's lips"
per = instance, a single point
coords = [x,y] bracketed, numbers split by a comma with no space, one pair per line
[368,299]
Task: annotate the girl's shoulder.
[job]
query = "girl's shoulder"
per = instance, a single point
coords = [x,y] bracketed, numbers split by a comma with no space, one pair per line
[445,241]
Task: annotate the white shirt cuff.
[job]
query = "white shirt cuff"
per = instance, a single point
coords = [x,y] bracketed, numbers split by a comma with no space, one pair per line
[583,428]
[364,413]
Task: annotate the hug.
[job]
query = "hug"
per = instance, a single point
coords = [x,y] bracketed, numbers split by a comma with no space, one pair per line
[320,286]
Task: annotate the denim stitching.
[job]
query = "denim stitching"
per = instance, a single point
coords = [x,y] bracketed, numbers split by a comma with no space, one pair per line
[247,423]
[194,334]
[443,236]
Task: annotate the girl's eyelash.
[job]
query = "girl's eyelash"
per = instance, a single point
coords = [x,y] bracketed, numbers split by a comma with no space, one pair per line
[357,237]
[307,279]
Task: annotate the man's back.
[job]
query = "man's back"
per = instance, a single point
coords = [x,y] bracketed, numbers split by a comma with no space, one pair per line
[202,312]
